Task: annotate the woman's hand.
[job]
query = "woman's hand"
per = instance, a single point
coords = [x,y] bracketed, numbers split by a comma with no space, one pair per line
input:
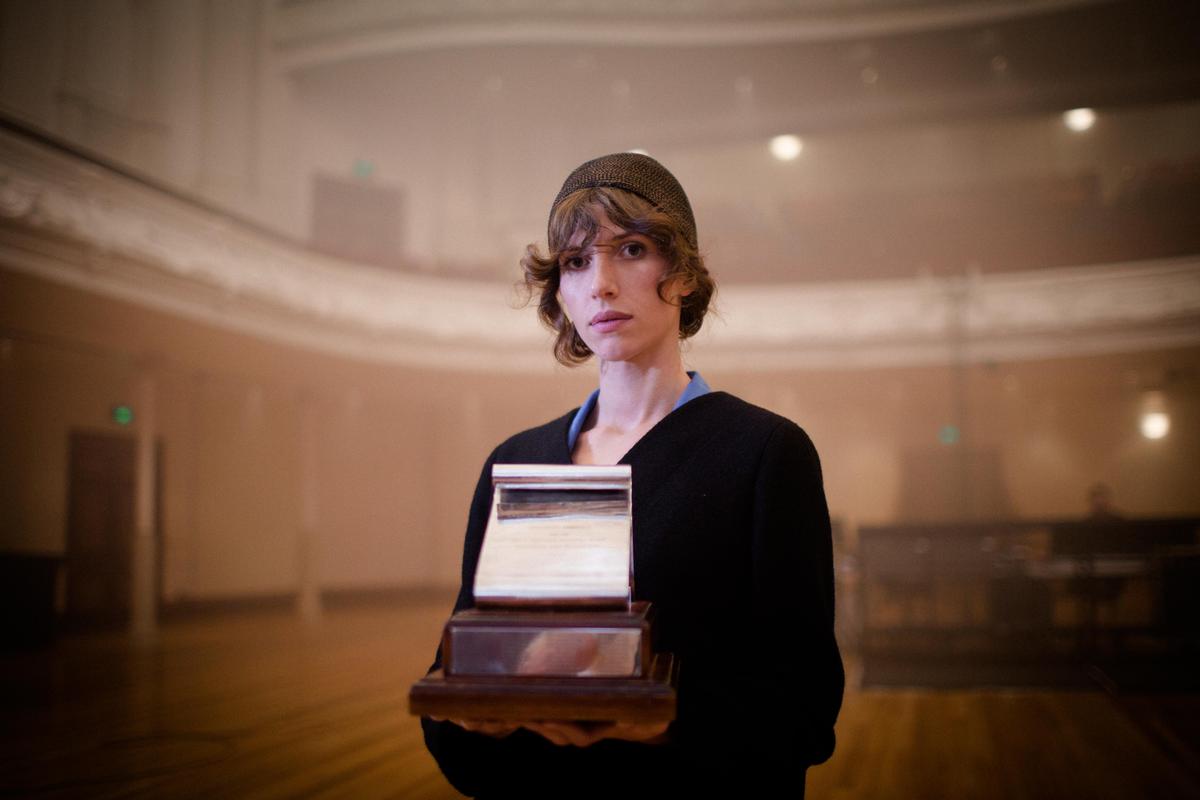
[582,734]
[564,732]
[489,727]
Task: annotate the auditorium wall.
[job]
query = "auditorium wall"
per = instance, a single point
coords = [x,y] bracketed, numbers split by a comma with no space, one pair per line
[396,450]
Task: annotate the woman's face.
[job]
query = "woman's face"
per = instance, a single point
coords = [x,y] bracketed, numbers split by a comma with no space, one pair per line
[610,291]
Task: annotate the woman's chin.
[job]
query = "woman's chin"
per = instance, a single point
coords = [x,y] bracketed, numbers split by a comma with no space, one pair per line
[616,350]
[605,348]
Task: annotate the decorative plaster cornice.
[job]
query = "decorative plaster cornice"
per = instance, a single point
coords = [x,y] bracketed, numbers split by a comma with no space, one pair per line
[144,245]
[1001,317]
[311,34]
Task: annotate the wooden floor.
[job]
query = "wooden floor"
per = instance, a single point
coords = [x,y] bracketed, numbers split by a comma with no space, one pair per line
[263,706]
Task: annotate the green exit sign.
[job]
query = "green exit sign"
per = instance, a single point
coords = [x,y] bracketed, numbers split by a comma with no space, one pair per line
[122,415]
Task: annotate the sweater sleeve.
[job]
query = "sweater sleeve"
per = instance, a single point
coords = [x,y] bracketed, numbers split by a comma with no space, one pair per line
[794,594]
[522,764]
[464,756]
[773,703]
[459,751]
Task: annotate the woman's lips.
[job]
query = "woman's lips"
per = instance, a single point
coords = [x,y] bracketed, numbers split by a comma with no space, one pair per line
[609,321]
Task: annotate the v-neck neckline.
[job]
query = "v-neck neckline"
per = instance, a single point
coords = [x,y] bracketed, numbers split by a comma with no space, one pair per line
[653,428]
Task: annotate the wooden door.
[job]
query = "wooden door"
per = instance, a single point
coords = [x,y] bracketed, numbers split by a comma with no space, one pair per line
[100,529]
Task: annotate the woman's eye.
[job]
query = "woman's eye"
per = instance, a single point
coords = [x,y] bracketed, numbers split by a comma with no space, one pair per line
[573,262]
[634,249]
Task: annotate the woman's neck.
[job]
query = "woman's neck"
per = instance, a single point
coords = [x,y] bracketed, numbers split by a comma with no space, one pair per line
[634,396]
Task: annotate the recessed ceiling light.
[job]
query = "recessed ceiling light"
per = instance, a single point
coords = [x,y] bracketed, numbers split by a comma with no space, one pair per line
[1155,424]
[786,147]
[1079,119]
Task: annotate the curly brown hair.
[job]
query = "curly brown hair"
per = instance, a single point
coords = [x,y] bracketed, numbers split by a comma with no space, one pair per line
[578,212]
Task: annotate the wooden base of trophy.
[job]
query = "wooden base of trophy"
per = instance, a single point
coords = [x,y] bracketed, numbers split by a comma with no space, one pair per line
[648,699]
[554,664]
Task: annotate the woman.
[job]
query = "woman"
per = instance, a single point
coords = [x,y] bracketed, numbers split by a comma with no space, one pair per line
[730,526]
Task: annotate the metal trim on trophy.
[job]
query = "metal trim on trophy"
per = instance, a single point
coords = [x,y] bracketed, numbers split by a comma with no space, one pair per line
[555,633]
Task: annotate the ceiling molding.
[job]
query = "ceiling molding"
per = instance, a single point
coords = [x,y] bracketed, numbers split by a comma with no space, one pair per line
[311,34]
[1032,315]
[81,225]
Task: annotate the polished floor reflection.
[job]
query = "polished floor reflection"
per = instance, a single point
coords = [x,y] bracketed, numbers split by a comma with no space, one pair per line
[263,706]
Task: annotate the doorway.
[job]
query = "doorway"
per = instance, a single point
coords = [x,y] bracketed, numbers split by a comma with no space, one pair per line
[100,529]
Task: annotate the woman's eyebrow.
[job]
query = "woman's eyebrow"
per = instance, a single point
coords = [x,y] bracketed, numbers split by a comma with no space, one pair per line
[593,245]
[616,239]
[631,235]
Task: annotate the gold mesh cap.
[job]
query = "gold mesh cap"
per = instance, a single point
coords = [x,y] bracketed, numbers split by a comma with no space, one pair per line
[639,174]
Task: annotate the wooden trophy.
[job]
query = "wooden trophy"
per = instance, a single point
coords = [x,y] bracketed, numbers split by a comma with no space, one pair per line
[554,634]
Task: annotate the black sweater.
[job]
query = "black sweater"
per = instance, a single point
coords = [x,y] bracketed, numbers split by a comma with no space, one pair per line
[732,545]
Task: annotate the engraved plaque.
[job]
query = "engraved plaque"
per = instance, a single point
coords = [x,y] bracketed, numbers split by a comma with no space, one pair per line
[557,535]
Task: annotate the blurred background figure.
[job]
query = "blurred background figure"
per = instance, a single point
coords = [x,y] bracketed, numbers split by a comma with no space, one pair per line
[1100,502]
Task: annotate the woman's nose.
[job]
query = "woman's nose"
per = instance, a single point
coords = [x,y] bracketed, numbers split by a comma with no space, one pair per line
[604,283]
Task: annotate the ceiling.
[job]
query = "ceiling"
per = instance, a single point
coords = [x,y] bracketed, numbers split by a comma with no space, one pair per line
[476,111]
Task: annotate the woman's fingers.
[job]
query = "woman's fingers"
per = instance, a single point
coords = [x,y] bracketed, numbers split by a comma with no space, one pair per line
[582,734]
[489,727]
[637,731]
[562,732]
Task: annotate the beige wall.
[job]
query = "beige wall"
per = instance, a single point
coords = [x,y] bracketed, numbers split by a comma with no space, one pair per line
[397,450]
[1037,435]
